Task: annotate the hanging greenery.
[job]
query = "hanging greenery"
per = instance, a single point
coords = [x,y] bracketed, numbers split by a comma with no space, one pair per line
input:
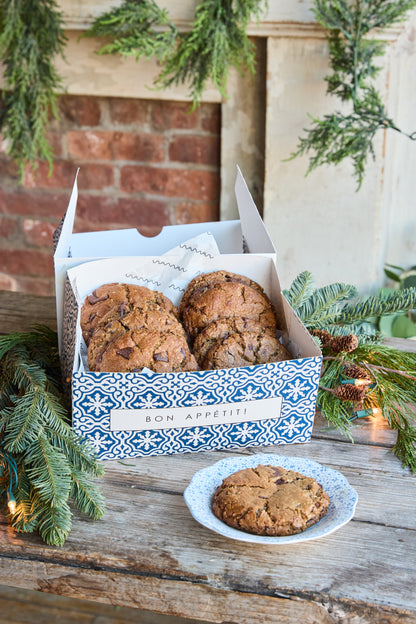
[217,40]
[43,463]
[139,29]
[360,375]
[353,57]
[31,35]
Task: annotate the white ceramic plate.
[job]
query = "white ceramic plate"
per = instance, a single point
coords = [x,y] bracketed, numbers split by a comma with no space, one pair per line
[343,498]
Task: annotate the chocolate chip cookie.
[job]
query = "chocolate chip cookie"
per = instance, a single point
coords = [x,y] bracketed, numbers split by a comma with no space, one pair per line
[203,282]
[250,343]
[133,350]
[269,500]
[112,301]
[224,300]
[247,349]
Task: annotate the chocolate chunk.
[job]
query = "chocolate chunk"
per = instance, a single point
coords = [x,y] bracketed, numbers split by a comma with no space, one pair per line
[125,352]
[93,299]
[161,357]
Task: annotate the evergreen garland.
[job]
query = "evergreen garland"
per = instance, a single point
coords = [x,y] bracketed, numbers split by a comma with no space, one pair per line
[353,56]
[217,40]
[139,29]
[360,374]
[31,36]
[43,463]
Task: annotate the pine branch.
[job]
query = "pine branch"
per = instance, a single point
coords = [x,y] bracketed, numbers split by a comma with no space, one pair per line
[322,307]
[339,136]
[300,290]
[136,28]
[54,464]
[377,305]
[31,35]
[386,377]
[217,40]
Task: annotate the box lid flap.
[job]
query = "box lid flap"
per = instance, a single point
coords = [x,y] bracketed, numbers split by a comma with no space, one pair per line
[63,244]
[254,231]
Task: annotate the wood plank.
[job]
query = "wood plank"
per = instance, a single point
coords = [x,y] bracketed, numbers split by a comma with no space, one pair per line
[142,534]
[208,603]
[28,606]
[20,311]
[353,564]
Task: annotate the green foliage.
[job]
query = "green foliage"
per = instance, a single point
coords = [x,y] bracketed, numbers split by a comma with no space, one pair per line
[217,40]
[31,36]
[351,134]
[54,465]
[338,310]
[136,28]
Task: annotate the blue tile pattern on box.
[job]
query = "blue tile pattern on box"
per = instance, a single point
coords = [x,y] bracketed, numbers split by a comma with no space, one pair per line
[95,394]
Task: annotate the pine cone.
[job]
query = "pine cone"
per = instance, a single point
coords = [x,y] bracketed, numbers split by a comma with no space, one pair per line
[349,392]
[344,343]
[356,372]
[324,336]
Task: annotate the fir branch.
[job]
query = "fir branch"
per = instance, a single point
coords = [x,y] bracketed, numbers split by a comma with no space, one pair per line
[322,307]
[136,28]
[54,464]
[377,305]
[300,290]
[216,41]
[341,135]
[31,35]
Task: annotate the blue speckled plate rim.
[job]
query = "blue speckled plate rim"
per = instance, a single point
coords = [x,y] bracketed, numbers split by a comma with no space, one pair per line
[199,503]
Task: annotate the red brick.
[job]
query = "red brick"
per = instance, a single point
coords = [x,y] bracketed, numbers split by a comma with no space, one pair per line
[55,141]
[144,212]
[210,118]
[196,212]
[33,203]
[139,147]
[8,227]
[9,170]
[203,185]
[129,110]
[95,176]
[82,110]
[25,262]
[38,232]
[62,175]
[167,115]
[126,212]
[90,145]
[204,150]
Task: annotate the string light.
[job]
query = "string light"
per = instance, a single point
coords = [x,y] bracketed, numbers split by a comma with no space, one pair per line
[356,382]
[9,465]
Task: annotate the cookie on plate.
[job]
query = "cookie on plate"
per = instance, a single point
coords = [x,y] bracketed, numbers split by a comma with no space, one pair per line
[225,300]
[269,500]
[133,350]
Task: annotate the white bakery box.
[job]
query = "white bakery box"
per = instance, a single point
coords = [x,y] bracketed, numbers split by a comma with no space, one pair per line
[144,413]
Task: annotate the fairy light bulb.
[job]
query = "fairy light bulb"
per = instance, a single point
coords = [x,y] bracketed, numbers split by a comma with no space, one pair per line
[11,503]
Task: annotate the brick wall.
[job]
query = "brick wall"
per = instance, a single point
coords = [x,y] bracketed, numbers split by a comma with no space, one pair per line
[143,164]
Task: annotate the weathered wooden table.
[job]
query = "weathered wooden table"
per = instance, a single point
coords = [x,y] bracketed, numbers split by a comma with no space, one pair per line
[149,553]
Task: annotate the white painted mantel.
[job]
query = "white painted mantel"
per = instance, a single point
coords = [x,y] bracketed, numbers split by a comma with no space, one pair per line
[319,223]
